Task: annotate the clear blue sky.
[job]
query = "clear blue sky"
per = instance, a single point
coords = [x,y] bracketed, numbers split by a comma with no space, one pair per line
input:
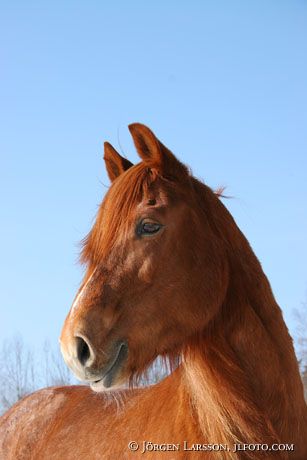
[222,83]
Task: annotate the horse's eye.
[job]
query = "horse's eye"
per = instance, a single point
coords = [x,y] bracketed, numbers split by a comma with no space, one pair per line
[148,228]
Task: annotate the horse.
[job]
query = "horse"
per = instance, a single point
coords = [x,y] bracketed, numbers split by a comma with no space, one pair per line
[168,274]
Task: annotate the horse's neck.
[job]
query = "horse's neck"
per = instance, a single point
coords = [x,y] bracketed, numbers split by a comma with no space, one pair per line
[242,372]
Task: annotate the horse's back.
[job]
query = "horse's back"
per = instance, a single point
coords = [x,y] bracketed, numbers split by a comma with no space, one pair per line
[73,423]
[41,425]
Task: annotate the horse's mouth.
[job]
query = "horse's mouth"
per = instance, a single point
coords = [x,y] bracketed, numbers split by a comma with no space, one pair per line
[110,372]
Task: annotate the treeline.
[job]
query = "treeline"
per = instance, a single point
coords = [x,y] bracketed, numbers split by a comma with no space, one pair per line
[301,342]
[22,371]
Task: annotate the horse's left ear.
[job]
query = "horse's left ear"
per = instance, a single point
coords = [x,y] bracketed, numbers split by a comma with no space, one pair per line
[154,153]
[115,163]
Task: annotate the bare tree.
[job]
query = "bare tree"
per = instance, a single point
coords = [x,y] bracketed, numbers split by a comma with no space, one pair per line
[22,372]
[18,376]
[158,370]
[55,371]
[301,334]
[301,341]
[304,379]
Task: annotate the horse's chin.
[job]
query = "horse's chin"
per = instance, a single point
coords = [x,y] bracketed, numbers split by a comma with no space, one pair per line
[112,376]
[100,386]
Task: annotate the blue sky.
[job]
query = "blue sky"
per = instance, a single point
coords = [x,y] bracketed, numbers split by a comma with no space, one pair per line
[223,84]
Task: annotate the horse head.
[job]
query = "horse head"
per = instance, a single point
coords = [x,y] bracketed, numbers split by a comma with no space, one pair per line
[156,268]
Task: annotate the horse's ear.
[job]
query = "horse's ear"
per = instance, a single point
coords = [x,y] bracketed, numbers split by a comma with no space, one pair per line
[154,153]
[115,163]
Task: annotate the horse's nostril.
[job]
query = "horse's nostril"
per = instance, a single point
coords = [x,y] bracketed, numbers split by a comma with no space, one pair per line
[83,351]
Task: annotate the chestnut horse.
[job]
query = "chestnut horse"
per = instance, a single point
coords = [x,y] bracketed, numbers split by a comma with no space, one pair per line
[169,274]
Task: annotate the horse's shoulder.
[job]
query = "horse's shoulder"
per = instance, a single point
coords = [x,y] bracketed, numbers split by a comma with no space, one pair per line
[32,423]
[27,422]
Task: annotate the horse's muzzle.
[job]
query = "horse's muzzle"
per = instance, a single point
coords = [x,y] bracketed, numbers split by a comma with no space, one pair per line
[85,363]
[111,370]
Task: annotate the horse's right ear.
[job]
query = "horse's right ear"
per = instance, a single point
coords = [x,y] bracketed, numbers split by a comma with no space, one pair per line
[154,153]
[115,163]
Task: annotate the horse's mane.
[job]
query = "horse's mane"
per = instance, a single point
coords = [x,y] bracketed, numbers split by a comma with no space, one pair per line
[223,394]
[113,214]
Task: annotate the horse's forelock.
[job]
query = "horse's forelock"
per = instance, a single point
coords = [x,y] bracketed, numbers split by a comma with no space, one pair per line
[116,210]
